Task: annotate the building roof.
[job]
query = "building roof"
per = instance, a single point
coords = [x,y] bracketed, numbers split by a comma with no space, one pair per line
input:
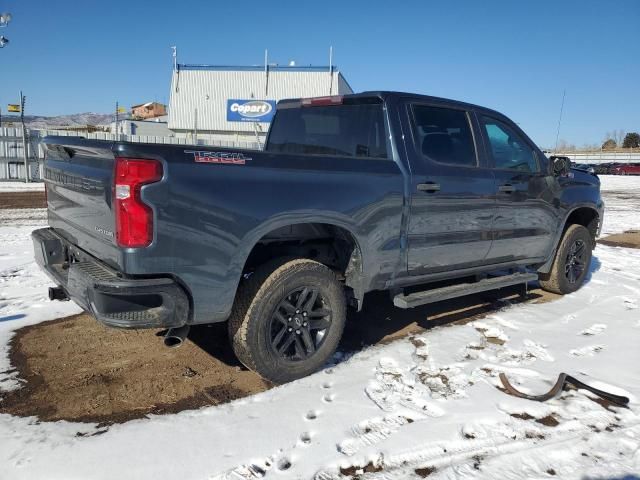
[206,88]
[148,104]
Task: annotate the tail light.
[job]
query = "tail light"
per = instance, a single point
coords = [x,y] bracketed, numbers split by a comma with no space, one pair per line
[134,218]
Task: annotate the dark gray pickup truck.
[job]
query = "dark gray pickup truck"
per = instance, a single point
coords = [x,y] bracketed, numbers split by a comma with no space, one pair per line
[374,191]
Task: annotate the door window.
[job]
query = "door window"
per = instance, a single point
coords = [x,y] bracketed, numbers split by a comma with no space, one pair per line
[444,135]
[508,149]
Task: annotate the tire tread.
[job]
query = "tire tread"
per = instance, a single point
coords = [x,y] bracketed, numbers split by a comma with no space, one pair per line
[551,282]
[250,293]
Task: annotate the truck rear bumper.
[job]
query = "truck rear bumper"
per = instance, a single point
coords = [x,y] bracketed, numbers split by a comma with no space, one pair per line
[112,298]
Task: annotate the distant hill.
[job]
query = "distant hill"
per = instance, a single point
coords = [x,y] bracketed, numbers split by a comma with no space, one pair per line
[73,120]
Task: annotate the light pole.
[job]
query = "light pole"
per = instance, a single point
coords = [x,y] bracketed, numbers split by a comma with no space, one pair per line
[25,145]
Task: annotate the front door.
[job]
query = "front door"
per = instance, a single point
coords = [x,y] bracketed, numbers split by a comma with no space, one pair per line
[452,192]
[526,218]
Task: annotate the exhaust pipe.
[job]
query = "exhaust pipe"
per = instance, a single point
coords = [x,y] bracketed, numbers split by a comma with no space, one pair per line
[57,293]
[176,336]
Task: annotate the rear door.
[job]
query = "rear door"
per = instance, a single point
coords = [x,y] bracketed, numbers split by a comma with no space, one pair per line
[452,192]
[526,218]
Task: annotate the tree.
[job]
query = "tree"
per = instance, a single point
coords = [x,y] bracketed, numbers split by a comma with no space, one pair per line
[609,144]
[618,136]
[564,146]
[631,140]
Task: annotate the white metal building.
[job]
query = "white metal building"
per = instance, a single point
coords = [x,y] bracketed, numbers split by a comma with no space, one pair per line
[154,126]
[202,95]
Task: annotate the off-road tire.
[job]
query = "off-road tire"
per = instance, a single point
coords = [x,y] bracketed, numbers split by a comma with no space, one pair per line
[256,300]
[556,280]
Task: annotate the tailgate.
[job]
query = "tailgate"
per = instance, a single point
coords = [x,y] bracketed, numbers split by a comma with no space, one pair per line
[79,179]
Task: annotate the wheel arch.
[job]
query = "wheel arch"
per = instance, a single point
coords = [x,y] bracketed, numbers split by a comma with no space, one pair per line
[330,241]
[586,215]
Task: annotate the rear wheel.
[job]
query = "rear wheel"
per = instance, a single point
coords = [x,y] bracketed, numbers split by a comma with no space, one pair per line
[288,319]
[571,263]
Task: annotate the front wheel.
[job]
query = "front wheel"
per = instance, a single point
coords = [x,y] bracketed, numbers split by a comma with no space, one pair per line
[288,319]
[571,263]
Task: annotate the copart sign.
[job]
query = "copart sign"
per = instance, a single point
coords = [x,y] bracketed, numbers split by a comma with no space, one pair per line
[250,110]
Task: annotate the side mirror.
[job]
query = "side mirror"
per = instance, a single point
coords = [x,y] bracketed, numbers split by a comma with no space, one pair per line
[561,166]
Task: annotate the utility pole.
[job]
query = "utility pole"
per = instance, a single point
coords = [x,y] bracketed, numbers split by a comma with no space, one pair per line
[330,71]
[25,146]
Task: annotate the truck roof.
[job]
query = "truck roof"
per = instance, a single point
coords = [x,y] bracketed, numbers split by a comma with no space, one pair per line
[387,94]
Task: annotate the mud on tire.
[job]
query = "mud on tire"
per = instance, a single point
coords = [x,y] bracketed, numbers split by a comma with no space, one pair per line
[571,263]
[288,318]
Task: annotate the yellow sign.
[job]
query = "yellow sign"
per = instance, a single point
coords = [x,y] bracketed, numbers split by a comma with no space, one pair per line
[13,108]
[122,110]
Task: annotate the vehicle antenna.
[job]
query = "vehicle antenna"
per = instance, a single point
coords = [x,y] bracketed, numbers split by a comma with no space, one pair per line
[564,92]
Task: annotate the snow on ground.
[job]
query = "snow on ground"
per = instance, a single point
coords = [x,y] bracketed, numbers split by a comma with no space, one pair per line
[621,194]
[33,217]
[421,405]
[21,186]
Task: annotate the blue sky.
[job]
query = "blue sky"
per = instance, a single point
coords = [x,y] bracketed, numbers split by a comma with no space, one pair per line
[516,57]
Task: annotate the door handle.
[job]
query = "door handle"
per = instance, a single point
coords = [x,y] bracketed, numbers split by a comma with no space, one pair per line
[429,187]
[506,188]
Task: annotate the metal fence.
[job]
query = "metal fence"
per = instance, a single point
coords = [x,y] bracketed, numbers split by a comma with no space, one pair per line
[12,147]
[630,156]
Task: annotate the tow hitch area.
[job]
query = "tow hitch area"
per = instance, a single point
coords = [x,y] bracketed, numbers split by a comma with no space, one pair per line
[57,293]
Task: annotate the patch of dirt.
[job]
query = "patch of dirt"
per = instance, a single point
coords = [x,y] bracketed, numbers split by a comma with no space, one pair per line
[548,421]
[356,472]
[77,369]
[522,416]
[424,472]
[425,377]
[628,239]
[35,199]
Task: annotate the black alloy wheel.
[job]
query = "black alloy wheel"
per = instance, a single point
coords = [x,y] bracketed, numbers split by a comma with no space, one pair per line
[299,324]
[575,261]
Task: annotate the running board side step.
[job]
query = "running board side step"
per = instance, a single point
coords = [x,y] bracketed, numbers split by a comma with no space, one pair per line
[459,290]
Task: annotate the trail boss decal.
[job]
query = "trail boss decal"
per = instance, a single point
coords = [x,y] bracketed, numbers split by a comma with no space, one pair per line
[219,157]
[250,110]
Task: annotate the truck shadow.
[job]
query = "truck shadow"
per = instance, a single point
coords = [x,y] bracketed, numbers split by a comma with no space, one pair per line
[381,322]
[595,265]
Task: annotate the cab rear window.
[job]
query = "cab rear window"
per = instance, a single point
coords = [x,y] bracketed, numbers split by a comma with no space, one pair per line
[356,130]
